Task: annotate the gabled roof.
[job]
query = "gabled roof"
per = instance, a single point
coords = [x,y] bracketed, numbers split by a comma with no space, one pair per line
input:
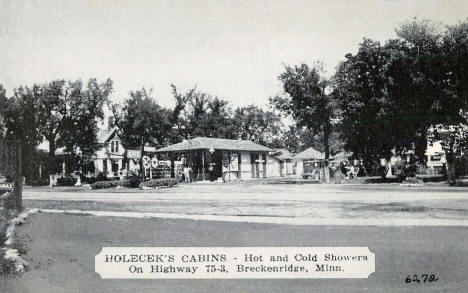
[310,153]
[282,154]
[104,135]
[206,143]
[343,155]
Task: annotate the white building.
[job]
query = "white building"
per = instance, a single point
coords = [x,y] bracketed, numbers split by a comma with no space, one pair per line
[228,159]
[113,160]
[309,160]
[286,162]
[435,157]
[109,159]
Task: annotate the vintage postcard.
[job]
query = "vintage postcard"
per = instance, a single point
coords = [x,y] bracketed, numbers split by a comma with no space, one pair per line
[233,146]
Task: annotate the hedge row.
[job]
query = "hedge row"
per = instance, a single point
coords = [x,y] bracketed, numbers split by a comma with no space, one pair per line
[135,182]
[131,183]
[158,183]
[66,181]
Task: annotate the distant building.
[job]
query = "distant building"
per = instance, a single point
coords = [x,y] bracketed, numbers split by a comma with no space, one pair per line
[435,157]
[341,157]
[113,160]
[310,161]
[285,160]
[109,159]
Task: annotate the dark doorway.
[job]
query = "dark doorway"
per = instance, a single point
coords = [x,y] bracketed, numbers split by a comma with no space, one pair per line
[218,167]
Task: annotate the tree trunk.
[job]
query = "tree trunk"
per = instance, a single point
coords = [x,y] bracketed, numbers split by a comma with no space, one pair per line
[326,136]
[142,174]
[52,163]
[450,169]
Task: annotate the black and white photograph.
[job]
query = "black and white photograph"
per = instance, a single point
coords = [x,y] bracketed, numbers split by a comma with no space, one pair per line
[233,146]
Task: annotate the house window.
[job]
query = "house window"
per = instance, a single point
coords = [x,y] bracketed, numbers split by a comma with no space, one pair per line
[114,146]
[436,157]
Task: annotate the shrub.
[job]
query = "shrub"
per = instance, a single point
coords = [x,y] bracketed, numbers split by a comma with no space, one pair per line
[159,183]
[460,184]
[132,182]
[38,182]
[90,180]
[412,181]
[103,184]
[66,181]
[101,177]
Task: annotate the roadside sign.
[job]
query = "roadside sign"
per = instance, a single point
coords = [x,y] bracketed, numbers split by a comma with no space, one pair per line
[154,162]
[146,162]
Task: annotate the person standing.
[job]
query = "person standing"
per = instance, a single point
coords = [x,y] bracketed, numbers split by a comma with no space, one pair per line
[186,171]
[190,173]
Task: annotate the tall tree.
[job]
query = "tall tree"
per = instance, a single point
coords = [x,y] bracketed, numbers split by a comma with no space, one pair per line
[359,89]
[142,121]
[51,111]
[391,96]
[21,124]
[78,130]
[253,123]
[4,104]
[450,127]
[307,101]
[200,114]
[66,114]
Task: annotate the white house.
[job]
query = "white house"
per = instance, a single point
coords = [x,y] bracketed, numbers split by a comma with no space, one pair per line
[110,158]
[113,160]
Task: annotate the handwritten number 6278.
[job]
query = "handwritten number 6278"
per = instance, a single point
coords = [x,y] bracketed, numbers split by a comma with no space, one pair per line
[425,278]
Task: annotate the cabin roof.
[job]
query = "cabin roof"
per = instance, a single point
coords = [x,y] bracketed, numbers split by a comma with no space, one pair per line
[309,154]
[206,143]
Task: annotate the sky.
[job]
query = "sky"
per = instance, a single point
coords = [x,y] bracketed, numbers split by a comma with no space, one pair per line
[232,49]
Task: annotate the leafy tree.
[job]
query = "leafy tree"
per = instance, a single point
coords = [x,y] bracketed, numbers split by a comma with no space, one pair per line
[438,75]
[390,96]
[142,121]
[254,123]
[219,122]
[20,124]
[61,112]
[50,112]
[359,89]
[307,102]
[200,114]
[180,113]
[67,116]
[450,127]
[78,132]
[4,104]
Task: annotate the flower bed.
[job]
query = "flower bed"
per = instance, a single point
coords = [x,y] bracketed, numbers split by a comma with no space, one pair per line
[158,183]
[412,182]
[129,183]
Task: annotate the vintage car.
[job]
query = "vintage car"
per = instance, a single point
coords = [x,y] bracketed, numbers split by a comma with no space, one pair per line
[313,169]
